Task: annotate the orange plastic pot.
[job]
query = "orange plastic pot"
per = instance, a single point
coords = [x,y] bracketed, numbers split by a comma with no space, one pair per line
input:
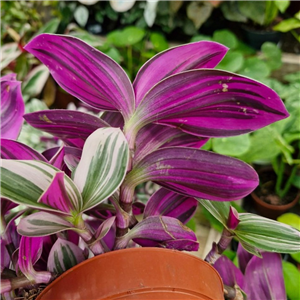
[138,273]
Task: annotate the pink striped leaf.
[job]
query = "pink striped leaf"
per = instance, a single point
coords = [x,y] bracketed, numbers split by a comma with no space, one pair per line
[29,253]
[65,124]
[167,203]
[194,173]
[209,103]
[11,149]
[264,278]
[197,55]
[85,72]
[12,107]
[230,274]
[161,231]
[153,137]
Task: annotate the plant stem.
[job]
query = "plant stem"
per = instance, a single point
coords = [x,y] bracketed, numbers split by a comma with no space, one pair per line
[218,248]
[130,65]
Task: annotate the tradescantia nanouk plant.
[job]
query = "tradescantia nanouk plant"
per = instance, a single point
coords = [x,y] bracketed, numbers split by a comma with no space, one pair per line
[78,200]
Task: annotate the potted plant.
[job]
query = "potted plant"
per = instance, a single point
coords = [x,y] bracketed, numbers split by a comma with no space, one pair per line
[76,201]
[258,19]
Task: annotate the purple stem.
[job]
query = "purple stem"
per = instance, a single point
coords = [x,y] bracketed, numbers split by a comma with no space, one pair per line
[218,248]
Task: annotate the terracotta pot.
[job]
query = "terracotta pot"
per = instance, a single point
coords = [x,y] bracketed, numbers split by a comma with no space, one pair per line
[138,273]
[269,210]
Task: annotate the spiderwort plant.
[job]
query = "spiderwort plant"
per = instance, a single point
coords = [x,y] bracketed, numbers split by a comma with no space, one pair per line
[151,130]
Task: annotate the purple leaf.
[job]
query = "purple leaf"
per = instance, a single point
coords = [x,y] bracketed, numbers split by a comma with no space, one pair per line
[210,103]
[4,255]
[153,137]
[106,234]
[85,72]
[194,173]
[102,211]
[164,231]
[114,119]
[65,124]
[264,278]
[233,218]
[12,107]
[29,253]
[174,60]
[58,159]
[11,149]
[6,206]
[168,203]
[56,195]
[70,159]
[243,257]
[231,275]
[63,256]
[138,208]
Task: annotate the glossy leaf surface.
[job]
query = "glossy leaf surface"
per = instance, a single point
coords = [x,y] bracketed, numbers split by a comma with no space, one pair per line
[84,72]
[210,103]
[103,165]
[174,60]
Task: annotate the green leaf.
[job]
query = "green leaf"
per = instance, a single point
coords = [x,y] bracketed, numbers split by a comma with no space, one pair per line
[34,82]
[226,38]
[232,62]
[102,166]
[255,68]
[200,37]
[254,10]
[231,12]
[220,210]
[9,52]
[290,219]
[50,27]
[291,277]
[81,15]
[133,35]
[282,5]
[287,25]
[296,257]
[272,54]
[158,41]
[267,234]
[232,146]
[114,54]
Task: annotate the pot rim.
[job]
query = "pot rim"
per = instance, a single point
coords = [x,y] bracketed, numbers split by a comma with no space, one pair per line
[137,250]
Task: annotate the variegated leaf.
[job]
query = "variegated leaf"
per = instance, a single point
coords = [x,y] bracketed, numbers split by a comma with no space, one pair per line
[25,181]
[63,256]
[267,234]
[220,210]
[103,165]
[43,223]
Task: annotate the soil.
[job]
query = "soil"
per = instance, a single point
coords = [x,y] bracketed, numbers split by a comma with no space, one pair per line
[266,190]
